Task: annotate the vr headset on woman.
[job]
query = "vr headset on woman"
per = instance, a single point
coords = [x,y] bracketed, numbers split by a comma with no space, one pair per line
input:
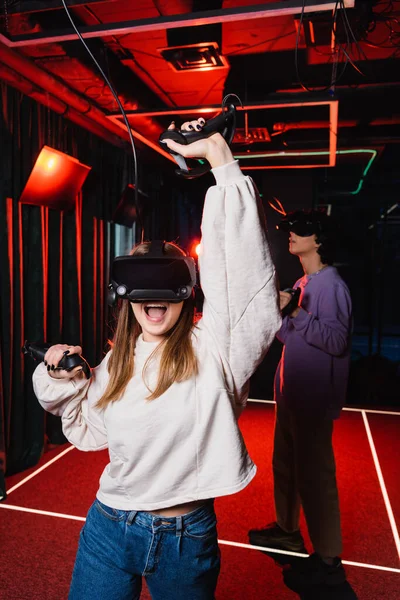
[152,276]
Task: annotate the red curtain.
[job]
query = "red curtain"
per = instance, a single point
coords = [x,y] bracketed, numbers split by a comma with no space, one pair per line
[53,266]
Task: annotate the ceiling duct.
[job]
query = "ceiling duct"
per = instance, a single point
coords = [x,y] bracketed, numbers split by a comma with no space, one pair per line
[195,48]
[195,57]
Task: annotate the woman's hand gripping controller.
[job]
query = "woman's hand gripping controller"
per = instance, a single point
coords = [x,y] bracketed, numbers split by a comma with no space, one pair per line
[213,148]
[62,361]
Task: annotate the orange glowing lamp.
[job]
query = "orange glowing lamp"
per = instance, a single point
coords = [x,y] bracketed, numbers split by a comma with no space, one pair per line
[55,180]
[197,248]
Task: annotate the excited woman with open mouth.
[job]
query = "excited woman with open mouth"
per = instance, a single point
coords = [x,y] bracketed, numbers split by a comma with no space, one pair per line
[165,402]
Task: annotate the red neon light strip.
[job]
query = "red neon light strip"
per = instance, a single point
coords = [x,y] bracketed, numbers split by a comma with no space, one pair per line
[21,283]
[95,280]
[102,287]
[60,279]
[333,128]
[44,214]
[3,457]
[78,221]
[11,273]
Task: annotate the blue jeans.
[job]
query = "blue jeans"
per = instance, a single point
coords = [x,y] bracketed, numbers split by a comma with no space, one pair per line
[178,556]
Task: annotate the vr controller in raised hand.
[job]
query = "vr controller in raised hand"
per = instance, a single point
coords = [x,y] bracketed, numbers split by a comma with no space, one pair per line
[192,141]
[62,361]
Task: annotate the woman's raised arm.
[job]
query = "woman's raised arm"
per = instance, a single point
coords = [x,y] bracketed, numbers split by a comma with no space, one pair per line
[241,308]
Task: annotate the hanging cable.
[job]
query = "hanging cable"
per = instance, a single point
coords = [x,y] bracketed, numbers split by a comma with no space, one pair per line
[296,55]
[338,49]
[121,108]
[350,29]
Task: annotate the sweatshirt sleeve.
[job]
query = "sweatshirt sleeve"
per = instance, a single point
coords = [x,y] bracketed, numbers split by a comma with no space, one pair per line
[241,308]
[330,330]
[74,400]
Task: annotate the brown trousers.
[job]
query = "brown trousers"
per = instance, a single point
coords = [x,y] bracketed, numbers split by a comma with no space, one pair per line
[305,475]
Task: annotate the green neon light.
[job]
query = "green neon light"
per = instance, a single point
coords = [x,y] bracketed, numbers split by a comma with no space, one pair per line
[370,151]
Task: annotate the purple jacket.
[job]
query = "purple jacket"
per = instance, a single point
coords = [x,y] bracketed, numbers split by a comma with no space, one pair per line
[314,367]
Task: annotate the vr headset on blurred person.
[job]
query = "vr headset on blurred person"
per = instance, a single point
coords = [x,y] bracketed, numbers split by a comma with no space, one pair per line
[305,223]
[152,276]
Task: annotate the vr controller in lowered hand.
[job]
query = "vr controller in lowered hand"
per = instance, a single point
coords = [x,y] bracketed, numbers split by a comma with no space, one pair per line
[68,362]
[293,302]
[224,123]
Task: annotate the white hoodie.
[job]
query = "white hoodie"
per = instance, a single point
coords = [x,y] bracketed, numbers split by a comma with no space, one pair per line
[186,444]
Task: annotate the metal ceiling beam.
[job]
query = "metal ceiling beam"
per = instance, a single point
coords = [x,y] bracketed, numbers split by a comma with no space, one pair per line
[80,104]
[228,15]
[28,88]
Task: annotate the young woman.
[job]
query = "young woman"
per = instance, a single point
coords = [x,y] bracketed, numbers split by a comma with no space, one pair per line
[165,402]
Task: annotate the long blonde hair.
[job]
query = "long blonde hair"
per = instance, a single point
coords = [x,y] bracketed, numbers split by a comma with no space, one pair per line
[178,361]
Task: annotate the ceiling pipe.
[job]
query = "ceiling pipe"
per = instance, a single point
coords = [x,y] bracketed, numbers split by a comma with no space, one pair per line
[49,83]
[29,89]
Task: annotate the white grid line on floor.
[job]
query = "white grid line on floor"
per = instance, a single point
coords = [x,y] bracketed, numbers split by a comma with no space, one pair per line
[45,513]
[39,470]
[237,544]
[375,459]
[382,483]
[254,400]
[221,542]
[274,551]
[345,408]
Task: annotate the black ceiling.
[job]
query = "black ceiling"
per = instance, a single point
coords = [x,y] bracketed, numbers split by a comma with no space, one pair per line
[285,60]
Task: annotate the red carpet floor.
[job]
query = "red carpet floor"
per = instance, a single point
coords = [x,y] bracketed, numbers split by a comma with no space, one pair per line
[37,550]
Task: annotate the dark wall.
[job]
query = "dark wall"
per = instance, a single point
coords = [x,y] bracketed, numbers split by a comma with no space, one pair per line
[295,191]
[53,265]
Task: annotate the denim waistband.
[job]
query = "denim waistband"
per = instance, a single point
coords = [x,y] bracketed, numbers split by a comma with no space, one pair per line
[152,521]
[179,522]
